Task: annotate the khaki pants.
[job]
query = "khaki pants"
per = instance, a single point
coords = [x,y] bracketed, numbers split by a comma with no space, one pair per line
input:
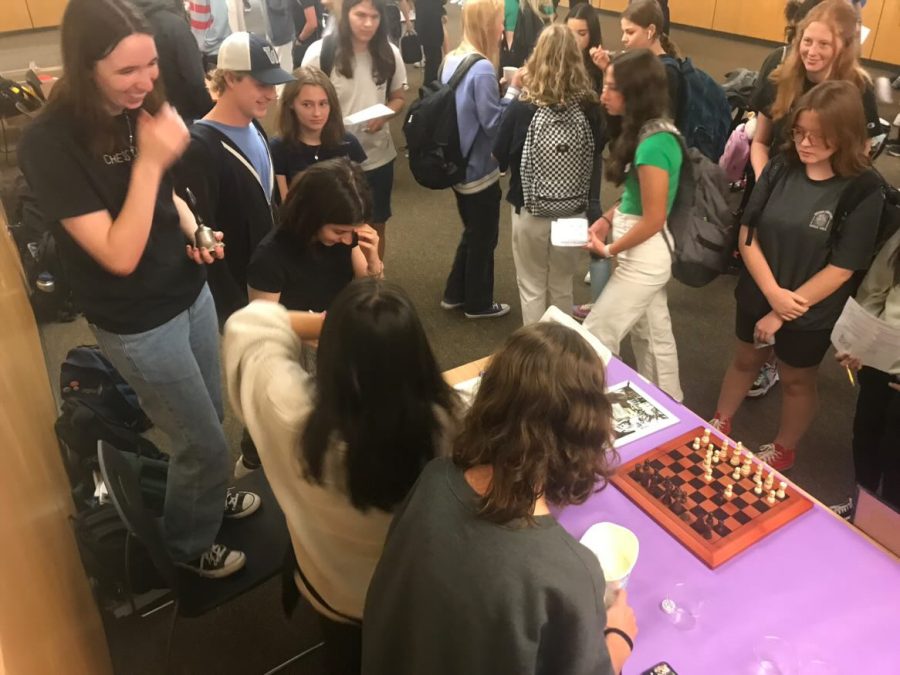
[543,271]
[634,301]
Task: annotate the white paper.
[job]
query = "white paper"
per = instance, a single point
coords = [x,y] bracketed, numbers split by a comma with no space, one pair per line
[569,232]
[370,113]
[558,316]
[635,414]
[868,338]
[864,33]
[467,389]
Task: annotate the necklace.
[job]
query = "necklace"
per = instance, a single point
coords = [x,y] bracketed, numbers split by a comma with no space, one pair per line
[130,136]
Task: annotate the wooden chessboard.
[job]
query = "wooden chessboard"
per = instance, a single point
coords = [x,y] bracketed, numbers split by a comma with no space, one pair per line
[742,520]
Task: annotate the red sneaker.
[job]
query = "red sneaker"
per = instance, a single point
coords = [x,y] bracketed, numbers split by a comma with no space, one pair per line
[780,459]
[721,424]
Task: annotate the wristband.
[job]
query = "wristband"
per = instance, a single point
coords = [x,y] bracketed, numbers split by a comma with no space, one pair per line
[622,634]
[608,221]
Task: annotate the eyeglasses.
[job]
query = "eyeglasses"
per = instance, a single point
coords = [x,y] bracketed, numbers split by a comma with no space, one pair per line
[815,140]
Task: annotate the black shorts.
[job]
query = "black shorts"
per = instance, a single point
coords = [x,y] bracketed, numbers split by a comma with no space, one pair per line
[381,182]
[795,348]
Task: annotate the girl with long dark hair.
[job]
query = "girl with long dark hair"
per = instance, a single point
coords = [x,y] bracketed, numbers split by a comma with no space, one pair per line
[366,69]
[341,455]
[584,22]
[647,160]
[799,265]
[98,159]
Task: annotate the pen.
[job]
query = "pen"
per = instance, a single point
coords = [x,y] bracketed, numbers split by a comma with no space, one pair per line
[850,375]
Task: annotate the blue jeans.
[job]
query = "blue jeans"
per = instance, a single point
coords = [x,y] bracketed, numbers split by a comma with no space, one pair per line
[600,272]
[174,368]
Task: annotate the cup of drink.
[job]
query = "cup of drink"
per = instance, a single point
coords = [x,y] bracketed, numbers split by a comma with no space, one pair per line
[508,73]
[616,548]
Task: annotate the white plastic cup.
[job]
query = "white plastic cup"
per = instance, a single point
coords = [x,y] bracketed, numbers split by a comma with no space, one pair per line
[616,548]
[508,73]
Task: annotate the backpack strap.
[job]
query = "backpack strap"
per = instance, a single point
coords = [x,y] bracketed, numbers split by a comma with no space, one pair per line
[461,70]
[659,125]
[326,56]
[860,188]
[777,168]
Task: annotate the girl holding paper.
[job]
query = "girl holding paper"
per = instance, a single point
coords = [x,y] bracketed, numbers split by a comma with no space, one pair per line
[555,77]
[311,126]
[800,261]
[366,70]
[876,428]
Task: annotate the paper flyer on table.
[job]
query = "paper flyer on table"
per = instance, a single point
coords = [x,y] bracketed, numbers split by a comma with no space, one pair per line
[569,232]
[635,413]
[558,316]
[371,113]
[866,337]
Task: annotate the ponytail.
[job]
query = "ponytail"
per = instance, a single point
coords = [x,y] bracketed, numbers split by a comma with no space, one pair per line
[669,46]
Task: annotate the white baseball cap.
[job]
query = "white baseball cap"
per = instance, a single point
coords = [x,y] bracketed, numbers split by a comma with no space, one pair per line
[249,53]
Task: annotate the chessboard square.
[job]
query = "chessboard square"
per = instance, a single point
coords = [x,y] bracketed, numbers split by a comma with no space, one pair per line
[698,497]
[677,480]
[696,483]
[676,467]
[720,513]
[762,506]
[695,469]
[742,517]
[699,511]
[656,464]
[676,454]
[739,503]
[739,489]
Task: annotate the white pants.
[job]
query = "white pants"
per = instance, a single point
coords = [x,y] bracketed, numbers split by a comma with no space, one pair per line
[634,301]
[543,271]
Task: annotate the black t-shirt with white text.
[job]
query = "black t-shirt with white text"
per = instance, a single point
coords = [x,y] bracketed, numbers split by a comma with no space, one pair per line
[794,231]
[68,181]
[308,278]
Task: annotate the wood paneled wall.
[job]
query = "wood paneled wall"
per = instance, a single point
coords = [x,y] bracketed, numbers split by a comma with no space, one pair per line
[49,622]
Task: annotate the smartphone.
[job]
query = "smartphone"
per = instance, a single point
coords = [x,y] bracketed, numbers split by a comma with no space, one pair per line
[661,668]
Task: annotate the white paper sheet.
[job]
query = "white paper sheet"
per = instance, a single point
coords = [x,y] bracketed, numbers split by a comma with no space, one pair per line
[556,315]
[866,337]
[569,232]
[370,113]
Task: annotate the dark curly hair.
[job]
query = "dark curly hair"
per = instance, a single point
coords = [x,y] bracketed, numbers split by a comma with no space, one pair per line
[641,79]
[542,421]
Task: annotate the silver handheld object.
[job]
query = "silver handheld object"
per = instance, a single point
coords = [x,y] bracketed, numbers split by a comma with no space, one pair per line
[204,237]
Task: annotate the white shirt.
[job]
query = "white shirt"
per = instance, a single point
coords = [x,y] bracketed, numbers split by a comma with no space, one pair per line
[361,92]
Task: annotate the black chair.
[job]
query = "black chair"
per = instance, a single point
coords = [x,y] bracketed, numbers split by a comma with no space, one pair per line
[262,536]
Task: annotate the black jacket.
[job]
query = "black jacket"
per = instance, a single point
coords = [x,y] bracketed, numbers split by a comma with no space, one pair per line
[180,62]
[230,198]
[510,142]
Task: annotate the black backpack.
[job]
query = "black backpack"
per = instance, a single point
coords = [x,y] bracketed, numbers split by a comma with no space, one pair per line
[87,376]
[17,99]
[432,133]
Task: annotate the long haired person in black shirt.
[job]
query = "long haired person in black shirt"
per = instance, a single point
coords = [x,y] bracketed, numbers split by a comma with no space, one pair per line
[98,160]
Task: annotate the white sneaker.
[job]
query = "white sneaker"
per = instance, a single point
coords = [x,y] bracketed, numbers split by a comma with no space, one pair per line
[241,469]
[587,278]
[765,380]
[216,562]
[844,509]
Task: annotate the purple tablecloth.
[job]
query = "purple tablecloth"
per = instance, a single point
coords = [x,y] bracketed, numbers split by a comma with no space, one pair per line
[816,582]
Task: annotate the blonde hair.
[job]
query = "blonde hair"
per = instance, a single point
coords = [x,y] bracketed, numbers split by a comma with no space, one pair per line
[555,72]
[841,19]
[218,83]
[479,18]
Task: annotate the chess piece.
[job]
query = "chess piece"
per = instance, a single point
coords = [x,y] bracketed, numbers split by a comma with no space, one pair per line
[737,473]
[708,476]
[710,448]
[706,433]
[745,470]
[759,471]
[782,487]
[758,489]
[736,457]
[716,457]
[771,498]
[696,444]
[729,491]
[770,481]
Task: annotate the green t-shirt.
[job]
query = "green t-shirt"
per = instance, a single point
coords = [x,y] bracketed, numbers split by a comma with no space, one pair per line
[510,14]
[661,150]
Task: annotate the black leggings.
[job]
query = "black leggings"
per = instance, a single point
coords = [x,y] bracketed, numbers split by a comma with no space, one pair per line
[876,435]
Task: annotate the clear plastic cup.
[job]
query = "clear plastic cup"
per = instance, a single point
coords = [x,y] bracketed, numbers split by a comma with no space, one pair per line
[682,605]
[775,656]
[616,548]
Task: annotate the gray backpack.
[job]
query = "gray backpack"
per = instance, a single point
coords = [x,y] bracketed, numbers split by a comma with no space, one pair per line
[703,227]
[557,162]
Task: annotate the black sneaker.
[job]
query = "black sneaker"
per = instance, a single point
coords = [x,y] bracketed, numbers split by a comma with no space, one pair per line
[492,312]
[216,562]
[844,509]
[240,504]
[893,148]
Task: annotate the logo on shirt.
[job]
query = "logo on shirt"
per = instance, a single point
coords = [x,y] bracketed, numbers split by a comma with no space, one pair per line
[123,157]
[821,220]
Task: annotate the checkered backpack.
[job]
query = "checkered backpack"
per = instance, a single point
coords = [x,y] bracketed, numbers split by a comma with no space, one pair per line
[557,162]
